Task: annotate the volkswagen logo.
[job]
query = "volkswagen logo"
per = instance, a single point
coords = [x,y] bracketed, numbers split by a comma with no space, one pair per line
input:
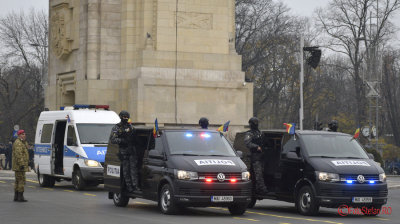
[221,177]
[360,179]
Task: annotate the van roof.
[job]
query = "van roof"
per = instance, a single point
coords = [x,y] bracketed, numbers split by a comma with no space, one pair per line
[304,132]
[81,116]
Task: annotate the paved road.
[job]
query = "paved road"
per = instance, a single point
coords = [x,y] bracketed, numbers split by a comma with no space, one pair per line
[62,204]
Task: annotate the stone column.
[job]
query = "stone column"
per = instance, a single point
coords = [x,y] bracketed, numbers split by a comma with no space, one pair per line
[93,39]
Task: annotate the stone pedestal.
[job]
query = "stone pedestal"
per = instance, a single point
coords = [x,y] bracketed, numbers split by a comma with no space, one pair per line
[153,58]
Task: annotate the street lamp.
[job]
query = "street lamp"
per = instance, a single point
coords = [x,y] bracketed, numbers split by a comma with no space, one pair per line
[313,61]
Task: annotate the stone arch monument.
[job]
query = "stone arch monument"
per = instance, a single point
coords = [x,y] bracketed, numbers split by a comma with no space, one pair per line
[170,59]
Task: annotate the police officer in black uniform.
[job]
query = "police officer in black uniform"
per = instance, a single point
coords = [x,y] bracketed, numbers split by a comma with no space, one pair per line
[253,141]
[124,135]
[333,125]
[203,122]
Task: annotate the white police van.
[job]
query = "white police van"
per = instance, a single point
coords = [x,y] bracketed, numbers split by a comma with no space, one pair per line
[70,144]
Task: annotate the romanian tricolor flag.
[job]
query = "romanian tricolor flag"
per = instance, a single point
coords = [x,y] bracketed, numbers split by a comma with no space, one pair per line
[224,127]
[155,129]
[290,128]
[357,133]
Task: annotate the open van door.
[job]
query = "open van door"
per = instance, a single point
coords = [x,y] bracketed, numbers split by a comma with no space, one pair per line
[112,165]
[57,154]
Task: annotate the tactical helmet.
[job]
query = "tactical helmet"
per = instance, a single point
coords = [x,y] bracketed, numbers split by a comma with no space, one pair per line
[333,125]
[253,122]
[203,122]
[124,113]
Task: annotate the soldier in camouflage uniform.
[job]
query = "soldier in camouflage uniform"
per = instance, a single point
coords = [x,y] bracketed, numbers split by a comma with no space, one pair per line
[253,141]
[20,160]
[124,135]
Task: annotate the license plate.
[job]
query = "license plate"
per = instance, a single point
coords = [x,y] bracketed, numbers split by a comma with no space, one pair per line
[221,198]
[362,199]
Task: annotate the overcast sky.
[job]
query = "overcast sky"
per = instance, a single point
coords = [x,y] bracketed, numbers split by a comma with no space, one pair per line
[299,7]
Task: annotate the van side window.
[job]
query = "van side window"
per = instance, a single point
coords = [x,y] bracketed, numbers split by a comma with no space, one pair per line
[289,144]
[71,137]
[46,133]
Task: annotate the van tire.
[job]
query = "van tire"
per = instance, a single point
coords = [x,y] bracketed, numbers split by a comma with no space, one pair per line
[45,180]
[306,202]
[120,199]
[252,202]
[238,209]
[166,200]
[77,180]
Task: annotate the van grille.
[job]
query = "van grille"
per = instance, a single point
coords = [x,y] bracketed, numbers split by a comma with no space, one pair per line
[214,192]
[354,193]
[367,177]
[228,176]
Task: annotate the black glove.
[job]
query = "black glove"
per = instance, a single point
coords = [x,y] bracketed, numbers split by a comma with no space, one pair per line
[22,167]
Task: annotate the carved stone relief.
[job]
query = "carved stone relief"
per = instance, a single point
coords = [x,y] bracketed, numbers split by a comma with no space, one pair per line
[60,42]
[194,20]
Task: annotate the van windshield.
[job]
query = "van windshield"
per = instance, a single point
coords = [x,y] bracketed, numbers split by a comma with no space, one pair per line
[333,146]
[198,144]
[94,133]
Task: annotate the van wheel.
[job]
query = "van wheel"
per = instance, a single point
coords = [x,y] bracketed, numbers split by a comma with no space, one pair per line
[306,203]
[120,199]
[77,180]
[237,209]
[166,201]
[46,180]
[252,202]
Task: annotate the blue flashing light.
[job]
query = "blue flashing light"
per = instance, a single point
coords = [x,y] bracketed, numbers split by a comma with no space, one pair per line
[62,108]
[81,106]
[371,181]
[349,181]
[205,135]
[189,135]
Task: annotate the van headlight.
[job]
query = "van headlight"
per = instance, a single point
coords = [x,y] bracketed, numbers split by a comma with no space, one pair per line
[328,177]
[246,176]
[91,163]
[186,175]
[382,177]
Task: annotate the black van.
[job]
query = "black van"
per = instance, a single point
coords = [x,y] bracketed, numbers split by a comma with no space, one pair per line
[183,167]
[318,168]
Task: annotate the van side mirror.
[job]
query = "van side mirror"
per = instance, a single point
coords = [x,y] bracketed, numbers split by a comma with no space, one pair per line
[293,156]
[71,142]
[239,153]
[154,154]
[371,156]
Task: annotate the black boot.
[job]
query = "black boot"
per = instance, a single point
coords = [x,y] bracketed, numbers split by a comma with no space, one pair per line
[15,195]
[21,197]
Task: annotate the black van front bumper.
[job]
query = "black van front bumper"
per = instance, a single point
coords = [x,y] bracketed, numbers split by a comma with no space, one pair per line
[338,194]
[199,194]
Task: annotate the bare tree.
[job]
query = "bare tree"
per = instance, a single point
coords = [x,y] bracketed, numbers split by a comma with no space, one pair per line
[345,23]
[23,70]
[391,91]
